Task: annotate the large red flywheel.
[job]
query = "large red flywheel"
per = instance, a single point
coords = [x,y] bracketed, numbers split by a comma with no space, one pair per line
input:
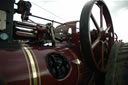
[96,34]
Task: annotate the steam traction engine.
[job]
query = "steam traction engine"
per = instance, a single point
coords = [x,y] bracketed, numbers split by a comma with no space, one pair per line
[40,54]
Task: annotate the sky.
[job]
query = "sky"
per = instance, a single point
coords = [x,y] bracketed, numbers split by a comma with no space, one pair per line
[70,10]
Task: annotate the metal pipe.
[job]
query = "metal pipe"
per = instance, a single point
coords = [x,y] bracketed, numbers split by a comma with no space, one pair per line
[46,19]
[25,34]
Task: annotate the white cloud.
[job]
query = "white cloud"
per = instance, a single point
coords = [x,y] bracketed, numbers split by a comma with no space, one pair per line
[119,13]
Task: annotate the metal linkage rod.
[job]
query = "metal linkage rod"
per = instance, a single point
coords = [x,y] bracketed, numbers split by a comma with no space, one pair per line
[46,19]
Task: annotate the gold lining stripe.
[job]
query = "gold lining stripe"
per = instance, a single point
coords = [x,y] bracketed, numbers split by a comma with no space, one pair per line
[28,64]
[34,56]
[33,66]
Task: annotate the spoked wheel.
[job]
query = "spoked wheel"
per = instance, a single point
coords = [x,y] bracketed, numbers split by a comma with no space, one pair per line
[96,34]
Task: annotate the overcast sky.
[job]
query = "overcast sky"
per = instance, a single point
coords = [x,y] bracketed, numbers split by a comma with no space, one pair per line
[69,10]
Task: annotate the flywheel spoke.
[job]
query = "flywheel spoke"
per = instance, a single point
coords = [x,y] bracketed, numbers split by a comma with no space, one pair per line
[96,42]
[101,17]
[107,29]
[102,56]
[95,23]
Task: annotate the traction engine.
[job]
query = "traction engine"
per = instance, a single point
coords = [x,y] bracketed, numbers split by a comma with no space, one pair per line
[41,54]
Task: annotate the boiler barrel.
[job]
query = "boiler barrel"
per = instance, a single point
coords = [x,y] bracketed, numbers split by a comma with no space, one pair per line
[40,66]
